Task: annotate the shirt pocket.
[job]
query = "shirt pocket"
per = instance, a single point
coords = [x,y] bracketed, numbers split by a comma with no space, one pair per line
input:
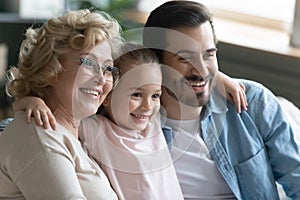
[256,179]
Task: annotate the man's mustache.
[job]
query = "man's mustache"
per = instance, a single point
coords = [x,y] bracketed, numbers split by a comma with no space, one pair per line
[198,78]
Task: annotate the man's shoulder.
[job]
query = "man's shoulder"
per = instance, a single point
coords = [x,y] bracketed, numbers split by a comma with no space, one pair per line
[260,97]
[254,88]
[251,84]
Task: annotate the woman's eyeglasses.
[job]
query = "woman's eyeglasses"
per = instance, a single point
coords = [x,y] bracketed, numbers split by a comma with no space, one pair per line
[109,72]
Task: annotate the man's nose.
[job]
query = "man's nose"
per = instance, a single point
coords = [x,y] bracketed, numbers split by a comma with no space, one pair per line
[200,68]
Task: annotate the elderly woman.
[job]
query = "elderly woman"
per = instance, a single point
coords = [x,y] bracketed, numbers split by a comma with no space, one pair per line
[68,63]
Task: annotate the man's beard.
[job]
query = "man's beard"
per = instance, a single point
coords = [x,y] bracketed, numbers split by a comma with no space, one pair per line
[186,95]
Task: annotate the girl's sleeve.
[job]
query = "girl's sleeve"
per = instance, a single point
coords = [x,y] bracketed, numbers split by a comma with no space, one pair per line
[88,131]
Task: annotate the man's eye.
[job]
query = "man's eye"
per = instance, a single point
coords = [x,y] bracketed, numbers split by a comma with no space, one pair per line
[211,54]
[185,58]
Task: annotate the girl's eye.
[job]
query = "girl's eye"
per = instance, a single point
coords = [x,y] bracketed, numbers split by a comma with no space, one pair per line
[156,96]
[136,95]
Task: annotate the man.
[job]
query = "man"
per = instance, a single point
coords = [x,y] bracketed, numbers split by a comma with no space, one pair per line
[217,152]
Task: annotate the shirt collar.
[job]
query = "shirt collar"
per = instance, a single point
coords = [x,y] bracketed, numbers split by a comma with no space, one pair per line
[217,104]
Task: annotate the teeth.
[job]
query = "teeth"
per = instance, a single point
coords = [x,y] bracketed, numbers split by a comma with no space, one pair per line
[143,117]
[198,84]
[87,91]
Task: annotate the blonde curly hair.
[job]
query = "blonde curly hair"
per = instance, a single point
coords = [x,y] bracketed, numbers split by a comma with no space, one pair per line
[38,59]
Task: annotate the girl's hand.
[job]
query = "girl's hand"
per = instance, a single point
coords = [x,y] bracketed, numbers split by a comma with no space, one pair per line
[35,107]
[234,91]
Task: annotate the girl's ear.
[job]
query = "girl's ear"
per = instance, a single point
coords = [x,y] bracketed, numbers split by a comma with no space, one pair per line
[106,101]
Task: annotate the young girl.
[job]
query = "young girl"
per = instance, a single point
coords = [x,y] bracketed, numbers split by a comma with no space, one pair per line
[129,143]
[127,139]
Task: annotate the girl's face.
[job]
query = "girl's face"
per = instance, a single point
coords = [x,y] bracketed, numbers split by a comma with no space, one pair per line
[136,98]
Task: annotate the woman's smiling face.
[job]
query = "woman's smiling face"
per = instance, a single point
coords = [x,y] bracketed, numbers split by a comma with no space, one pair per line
[79,89]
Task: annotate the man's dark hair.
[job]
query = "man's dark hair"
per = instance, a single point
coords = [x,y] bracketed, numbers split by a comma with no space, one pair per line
[170,15]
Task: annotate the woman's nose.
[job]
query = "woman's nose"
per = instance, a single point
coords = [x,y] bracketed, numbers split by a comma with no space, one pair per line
[101,80]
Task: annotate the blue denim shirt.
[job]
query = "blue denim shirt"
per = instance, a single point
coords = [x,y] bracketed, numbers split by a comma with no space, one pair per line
[255,148]
[4,123]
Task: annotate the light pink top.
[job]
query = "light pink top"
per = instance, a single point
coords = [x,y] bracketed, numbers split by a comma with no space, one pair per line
[138,164]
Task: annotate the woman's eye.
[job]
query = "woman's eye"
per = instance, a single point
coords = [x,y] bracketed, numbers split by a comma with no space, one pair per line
[109,68]
[88,62]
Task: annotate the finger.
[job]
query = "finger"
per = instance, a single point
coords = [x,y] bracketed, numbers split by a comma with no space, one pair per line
[229,97]
[237,102]
[37,118]
[45,120]
[243,96]
[243,87]
[28,115]
[52,121]
[244,101]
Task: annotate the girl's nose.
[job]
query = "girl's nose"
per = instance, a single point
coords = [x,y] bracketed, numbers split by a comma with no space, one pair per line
[146,104]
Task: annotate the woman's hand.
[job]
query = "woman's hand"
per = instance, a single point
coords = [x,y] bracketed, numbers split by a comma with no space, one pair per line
[35,107]
[233,91]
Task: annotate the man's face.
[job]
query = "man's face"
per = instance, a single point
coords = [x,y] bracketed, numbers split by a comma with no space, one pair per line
[192,54]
